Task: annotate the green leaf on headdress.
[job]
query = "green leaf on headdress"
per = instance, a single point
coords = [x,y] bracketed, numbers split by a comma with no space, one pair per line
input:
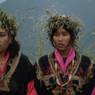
[8,22]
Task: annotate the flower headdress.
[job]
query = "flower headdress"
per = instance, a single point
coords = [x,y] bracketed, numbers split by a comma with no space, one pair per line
[8,22]
[55,22]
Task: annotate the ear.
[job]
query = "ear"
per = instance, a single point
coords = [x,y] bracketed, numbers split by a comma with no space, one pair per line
[72,41]
[10,40]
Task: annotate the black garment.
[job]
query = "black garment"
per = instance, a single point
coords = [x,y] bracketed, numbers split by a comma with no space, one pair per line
[23,74]
[84,66]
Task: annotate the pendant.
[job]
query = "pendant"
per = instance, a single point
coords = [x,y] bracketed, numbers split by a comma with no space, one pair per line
[58,82]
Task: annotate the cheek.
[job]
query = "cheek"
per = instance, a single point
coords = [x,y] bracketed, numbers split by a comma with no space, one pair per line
[67,40]
[55,40]
[5,42]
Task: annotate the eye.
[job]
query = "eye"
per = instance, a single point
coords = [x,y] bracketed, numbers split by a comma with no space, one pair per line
[65,33]
[56,34]
[3,34]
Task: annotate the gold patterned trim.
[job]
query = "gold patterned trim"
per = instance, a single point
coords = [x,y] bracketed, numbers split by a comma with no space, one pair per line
[51,63]
[4,82]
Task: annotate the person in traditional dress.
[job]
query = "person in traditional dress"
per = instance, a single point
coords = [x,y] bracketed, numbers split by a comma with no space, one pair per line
[64,71]
[16,71]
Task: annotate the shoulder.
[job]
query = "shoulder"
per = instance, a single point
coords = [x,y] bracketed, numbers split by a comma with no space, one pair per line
[25,62]
[24,58]
[85,62]
[27,65]
[85,58]
[42,63]
[43,59]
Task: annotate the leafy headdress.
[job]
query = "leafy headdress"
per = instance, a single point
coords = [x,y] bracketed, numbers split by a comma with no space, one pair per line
[8,22]
[68,23]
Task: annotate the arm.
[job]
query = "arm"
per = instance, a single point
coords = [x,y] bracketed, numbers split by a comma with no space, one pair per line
[93,91]
[89,70]
[31,75]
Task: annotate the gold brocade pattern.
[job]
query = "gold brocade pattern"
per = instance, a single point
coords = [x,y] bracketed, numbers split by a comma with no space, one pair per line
[4,82]
[4,85]
[50,79]
[72,86]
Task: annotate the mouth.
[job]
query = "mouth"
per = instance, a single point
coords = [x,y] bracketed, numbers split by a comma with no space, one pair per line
[60,46]
[0,45]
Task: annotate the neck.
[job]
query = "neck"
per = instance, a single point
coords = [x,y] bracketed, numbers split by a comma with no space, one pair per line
[65,52]
[2,54]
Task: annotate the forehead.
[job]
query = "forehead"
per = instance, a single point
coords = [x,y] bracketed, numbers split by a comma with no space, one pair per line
[62,29]
[3,30]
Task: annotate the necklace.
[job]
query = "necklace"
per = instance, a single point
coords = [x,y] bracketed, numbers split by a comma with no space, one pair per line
[70,75]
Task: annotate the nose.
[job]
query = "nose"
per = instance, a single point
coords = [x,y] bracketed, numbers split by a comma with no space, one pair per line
[0,38]
[60,38]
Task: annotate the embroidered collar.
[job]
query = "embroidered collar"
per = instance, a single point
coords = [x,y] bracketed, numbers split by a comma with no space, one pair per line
[60,60]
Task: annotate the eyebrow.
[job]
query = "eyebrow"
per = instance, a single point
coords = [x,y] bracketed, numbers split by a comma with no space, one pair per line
[3,33]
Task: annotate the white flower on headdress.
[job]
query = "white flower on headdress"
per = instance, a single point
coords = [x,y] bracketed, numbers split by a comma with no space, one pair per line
[63,15]
[12,32]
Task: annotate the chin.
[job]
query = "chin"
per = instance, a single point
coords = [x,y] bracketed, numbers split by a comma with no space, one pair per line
[61,49]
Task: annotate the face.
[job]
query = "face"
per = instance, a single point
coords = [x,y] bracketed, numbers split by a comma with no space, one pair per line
[61,39]
[5,40]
